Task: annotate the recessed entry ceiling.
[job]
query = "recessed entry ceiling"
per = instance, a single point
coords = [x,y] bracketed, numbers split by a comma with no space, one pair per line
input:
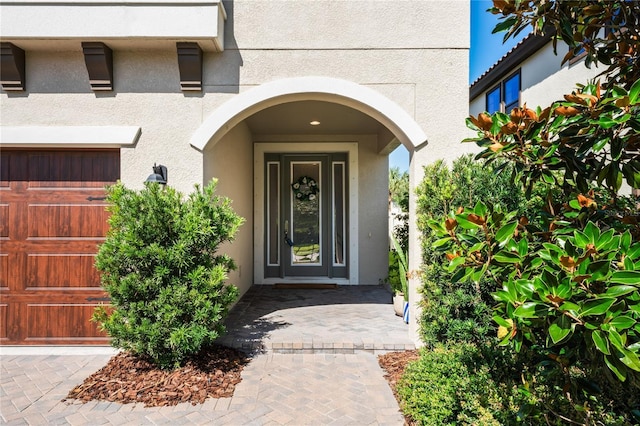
[293,118]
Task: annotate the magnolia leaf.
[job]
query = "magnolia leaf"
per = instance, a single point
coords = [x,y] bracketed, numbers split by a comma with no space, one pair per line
[599,269]
[619,370]
[504,256]
[601,342]
[619,290]
[626,277]
[560,329]
[592,232]
[634,92]
[631,360]
[622,322]
[531,310]
[506,232]
[596,307]
[581,239]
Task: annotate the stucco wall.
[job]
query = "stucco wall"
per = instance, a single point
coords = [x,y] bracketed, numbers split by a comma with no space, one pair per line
[231,162]
[373,196]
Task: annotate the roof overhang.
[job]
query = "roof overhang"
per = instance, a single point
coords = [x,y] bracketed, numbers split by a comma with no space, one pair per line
[508,63]
[141,21]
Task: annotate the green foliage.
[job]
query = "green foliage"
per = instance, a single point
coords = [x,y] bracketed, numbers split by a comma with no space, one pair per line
[454,386]
[160,267]
[452,311]
[467,384]
[568,272]
[398,270]
[399,188]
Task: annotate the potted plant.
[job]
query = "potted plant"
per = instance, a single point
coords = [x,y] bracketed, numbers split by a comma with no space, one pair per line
[398,278]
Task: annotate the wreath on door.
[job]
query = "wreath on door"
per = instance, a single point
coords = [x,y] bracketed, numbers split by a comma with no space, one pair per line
[305,188]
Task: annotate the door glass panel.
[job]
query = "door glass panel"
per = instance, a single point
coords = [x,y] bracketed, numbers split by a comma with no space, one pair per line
[306,213]
[338,214]
[273,213]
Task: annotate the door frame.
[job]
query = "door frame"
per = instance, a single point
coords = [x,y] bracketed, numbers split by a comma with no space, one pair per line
[351,148]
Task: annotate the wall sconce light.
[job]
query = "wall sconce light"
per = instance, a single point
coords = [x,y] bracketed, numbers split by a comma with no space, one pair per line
[159,175]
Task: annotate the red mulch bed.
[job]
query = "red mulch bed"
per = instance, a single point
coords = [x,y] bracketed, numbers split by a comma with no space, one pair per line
[128,378]
[394,363]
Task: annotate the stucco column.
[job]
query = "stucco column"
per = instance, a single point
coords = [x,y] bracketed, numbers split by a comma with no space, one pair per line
[418,159]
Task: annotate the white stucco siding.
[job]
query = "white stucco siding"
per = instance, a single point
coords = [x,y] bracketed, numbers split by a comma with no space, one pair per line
[373,196]
[231,162]
[353,24]
[544,81]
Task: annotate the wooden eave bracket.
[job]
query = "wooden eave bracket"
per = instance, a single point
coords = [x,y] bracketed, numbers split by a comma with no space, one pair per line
[190,66]
[12,75]
[98,58]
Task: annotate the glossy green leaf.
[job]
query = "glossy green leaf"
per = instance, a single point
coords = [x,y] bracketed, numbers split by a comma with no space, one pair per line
[560,329]
[504,256]
[634,93]
[619,290]
[614,365]
[622,322]
[506,232]
[601,342]
[596,307]
[523,247]
[581,238]
[531,310]
[592,232]
[630,359]
[480,209]
[599,270]
[626,277]
[441,242]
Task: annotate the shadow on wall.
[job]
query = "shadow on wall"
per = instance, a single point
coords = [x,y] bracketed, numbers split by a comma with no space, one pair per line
[134,71]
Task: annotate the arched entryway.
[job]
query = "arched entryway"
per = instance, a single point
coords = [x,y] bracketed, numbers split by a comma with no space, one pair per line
[262,141]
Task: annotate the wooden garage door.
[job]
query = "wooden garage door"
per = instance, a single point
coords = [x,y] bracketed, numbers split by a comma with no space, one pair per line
[52,218]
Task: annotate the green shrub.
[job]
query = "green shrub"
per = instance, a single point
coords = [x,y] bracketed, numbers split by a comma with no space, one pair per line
[451,386]
[160,267]
[453,311]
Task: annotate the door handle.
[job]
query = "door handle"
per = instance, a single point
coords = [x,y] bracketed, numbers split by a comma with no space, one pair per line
[286,234]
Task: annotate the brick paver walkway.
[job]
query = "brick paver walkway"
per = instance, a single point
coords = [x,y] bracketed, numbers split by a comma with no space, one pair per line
[319,380]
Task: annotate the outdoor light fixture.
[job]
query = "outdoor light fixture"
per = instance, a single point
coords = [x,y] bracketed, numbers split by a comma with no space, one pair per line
[159,175]
[314,123]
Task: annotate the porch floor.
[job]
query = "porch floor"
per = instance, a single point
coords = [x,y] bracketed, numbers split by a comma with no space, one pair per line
[341,320]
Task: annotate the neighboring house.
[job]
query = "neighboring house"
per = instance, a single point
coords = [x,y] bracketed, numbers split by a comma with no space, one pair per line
[530,74]
[256,93]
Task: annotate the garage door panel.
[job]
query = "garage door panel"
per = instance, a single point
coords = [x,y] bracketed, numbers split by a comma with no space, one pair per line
[52,219]
[60,270]
[72,170]
[67,220]
[3,321]
[4,220]
[61,321]
[4,271]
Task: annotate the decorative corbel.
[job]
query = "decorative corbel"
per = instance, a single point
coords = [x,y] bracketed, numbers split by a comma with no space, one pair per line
[98,58]
[190,65]
[12,76]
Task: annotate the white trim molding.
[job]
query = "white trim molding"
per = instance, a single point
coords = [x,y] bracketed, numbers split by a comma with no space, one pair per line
[69,136]
[343,92]
[105,20]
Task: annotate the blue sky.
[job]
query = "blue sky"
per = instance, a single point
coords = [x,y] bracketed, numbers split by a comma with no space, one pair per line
[486,49]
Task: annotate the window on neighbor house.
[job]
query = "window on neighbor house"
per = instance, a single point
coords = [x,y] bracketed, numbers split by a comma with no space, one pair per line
[494,98]
[505,96]
[512,92]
